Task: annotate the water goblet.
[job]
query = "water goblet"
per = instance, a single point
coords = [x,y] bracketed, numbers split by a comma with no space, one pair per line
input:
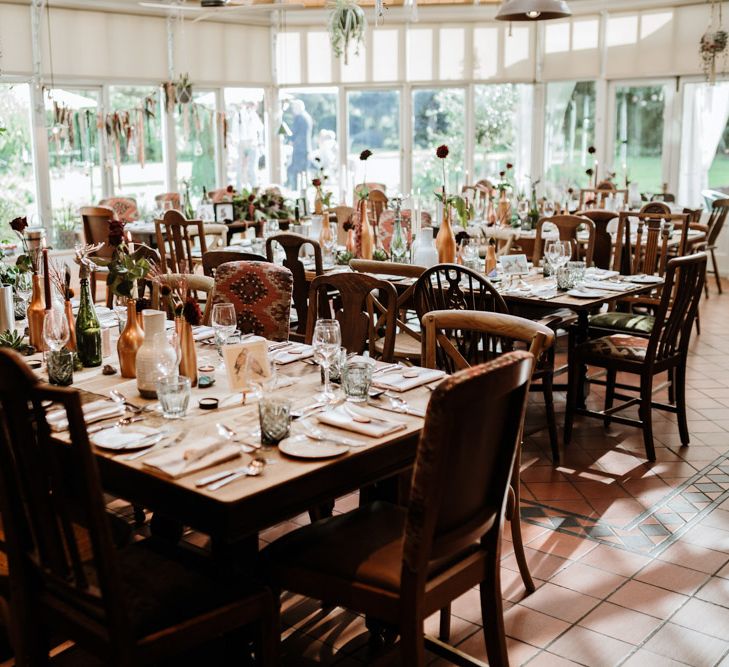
[326,342]
[224,321]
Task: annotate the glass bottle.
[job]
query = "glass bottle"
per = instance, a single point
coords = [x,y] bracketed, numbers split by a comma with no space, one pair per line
[398,242]
[187,206]
[88,329]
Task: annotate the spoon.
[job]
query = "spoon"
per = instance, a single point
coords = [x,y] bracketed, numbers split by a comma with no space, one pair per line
[119,398]
[253,469]
[314,433]
[124,421]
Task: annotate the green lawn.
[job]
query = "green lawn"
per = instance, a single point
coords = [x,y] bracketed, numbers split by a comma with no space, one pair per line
[719,172]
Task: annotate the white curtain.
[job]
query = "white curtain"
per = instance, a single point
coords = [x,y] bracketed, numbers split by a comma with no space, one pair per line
[706,111]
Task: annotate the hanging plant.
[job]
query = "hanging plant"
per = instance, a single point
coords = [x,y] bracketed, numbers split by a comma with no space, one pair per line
[347,25]
[183,88]
[713,43]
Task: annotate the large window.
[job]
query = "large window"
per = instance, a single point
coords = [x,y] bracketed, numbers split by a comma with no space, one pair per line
[639,129]
[438,118]
[309,131]
[195,137]
[569,131]
[247,158]
[16,160]
[73,153]
[373,121]
[135,145]
[503,130]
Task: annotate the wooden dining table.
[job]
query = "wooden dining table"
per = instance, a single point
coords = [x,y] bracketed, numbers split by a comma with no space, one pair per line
[234,515]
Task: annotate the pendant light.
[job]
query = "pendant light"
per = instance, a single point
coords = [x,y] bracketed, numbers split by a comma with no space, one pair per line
[532,10]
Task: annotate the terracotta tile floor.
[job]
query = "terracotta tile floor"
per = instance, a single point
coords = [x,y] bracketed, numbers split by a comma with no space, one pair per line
[631,559]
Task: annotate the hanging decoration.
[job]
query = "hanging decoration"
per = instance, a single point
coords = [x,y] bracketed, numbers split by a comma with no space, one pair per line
[714,43]
[347,25]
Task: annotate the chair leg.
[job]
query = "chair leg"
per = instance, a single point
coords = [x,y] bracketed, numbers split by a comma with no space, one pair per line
[672,386]
[515,522]
[271,633]
[698,324]
[548,391]
[716,271]
[444,631]
[492,610]
[573,390]
[646,416]
[412,643]
[679,379]
[609,394]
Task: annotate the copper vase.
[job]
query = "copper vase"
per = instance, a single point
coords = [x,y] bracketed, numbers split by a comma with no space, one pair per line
[445,242]
[36,314]
[129,342]
[367,241]
[188,355]
[68,309]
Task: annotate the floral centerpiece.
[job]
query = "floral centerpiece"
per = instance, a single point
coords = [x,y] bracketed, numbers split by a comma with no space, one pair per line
[445,242]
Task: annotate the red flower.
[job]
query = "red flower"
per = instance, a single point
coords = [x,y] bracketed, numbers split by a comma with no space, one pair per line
[442,152]
[316,182]
[230,189]
[116,233]
[502,174]
[19,224]
[191,311]
[589,172]
[592,150]
[509,166]
[366,153]
[251,198]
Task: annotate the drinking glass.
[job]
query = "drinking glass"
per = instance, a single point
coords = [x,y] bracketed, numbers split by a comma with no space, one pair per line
[270,228]
[577,271]
[522,209]
[356,380]
[552,253]
[274,414]
[326,342]
[55,330]
[24,285]
[224,322]
[167,363]
[548,209]
[173,393]
[60,367]
[471,256]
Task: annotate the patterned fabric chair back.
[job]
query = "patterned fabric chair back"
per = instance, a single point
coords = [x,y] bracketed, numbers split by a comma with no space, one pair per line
[125,208]
[261,293]
[173,197]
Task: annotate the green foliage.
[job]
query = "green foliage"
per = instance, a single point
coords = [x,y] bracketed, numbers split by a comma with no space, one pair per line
[343,258]
[14,341]
[374,120]
[347,25]
[380,255]
[125,270]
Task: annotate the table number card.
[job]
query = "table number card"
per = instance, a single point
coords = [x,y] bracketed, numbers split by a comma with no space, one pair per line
[246,362]
[515,265]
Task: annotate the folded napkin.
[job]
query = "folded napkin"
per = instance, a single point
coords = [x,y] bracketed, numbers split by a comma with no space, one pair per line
[397,382]
[93,412]
[377,428]
[292,353]
[202,333]
[601,274]
[607,285]
[208,452]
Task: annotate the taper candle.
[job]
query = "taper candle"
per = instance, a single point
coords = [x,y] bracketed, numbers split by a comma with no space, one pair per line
[46,280]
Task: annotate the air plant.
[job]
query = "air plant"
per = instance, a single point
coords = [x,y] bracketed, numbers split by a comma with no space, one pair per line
[347,26]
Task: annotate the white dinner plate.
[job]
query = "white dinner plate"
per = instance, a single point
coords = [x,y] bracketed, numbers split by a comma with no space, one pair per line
[127,438]
[644,280]
[301,447]
[585,293]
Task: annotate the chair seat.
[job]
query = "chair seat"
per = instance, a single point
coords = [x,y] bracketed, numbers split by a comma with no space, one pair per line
[406,346]
[624,322]
[363,546]
[618,346]
[166,585]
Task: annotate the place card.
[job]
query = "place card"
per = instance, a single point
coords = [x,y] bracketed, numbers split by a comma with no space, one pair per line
[515,265]
[247,362]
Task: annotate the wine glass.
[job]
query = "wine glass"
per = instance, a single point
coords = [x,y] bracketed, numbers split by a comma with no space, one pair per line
[326,343]
[224,321]
[522,209]
[24,286]
[55,330]
[168,361]
[552,253]
[548,209]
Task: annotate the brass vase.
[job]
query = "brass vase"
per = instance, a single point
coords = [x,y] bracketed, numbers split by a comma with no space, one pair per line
[68,309]
[188,354]
[36,314]
[129,342]
[367,241]
[445,242]
[504,210]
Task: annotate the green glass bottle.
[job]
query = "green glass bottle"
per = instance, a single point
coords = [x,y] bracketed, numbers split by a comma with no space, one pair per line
[398,243]
[187,206]
[88,329]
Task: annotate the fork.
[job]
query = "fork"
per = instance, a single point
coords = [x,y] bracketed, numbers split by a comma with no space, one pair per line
[138,455]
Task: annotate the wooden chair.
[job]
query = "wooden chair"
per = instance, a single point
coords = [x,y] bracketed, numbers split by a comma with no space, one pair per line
[128,606]
[292,245]
[125,208]
[595,197]
[717,218]
[172,197]
[261,293]
[212,259]
[195,282]
[602,254]
[407,340]
[567,227]
[401,564]
[656,207]
[664,351]
[96,220]
[355,309]
[175,241]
